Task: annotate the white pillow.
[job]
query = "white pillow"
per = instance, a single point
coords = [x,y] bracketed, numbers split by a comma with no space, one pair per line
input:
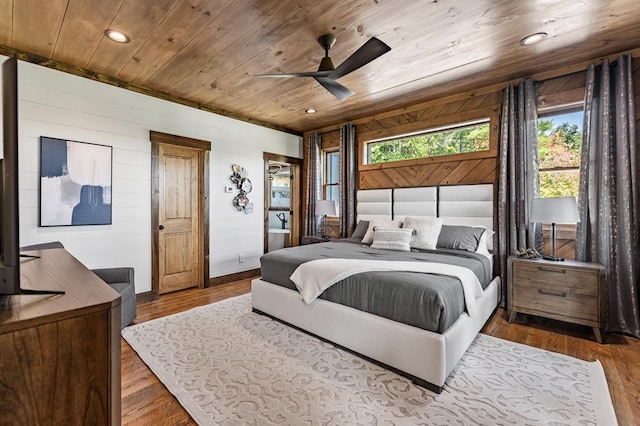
[392,238]
[482,245]
[386,223]
[427,230]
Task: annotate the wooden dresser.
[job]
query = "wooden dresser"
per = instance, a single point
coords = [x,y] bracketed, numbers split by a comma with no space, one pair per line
[569,290]
[60,355]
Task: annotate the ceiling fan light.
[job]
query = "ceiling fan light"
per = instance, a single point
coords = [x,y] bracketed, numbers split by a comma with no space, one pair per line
[326,64]
[117,36]
[533,39]
[310,111]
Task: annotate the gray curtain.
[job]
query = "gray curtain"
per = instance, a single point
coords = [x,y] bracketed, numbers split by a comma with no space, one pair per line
[518,173]
[608,198]
[348,170]
[314,186]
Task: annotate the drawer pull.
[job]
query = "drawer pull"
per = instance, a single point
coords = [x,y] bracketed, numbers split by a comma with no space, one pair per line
[553,293]
[557,271]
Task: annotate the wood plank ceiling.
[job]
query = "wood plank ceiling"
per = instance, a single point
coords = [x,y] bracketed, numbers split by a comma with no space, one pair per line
[206,52]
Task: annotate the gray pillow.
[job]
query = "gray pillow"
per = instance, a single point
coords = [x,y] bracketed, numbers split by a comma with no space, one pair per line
[360,230]
[460,237]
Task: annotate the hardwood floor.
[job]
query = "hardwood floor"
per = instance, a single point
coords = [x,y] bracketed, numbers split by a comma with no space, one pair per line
[145,401]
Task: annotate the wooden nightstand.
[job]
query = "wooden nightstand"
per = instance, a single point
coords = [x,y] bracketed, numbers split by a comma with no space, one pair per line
[312,239]
[570,291]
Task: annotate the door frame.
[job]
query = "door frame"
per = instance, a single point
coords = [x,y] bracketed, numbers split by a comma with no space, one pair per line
[156,139]
[296,205]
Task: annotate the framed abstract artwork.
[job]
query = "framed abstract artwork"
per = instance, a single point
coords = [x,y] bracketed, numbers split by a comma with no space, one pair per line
[75,183]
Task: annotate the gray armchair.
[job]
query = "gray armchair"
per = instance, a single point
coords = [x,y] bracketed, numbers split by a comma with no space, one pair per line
[120,279]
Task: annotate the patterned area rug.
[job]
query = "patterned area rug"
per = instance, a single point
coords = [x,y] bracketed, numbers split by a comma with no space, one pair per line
[229,366]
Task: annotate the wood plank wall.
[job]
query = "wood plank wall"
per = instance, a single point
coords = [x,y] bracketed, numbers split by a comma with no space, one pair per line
[465,168]
[469,168]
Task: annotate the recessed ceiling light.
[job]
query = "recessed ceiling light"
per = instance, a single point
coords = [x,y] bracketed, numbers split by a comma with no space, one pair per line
[117,36]
[533,39]
[310,111]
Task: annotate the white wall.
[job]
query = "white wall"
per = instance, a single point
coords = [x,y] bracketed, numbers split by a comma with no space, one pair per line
[64,106]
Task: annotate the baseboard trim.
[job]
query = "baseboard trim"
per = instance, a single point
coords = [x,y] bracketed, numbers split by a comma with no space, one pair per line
[147,296]
[224,279]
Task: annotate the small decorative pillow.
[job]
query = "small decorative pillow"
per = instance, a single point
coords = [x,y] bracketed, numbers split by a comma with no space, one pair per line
[392,238]
[361,229]
[460,237]
[387,223]
[427,231]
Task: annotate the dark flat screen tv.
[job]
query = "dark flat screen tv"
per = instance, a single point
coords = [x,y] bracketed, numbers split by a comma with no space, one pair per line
[9,205]
[9,214]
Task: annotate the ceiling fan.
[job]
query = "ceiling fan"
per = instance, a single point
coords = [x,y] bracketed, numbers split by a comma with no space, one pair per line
[327,73]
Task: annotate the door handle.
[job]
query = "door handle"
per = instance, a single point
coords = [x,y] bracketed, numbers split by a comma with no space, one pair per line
[161,227]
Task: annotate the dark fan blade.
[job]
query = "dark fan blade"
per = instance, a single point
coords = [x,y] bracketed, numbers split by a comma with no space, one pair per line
[296,74]
[336,89]
[367,53]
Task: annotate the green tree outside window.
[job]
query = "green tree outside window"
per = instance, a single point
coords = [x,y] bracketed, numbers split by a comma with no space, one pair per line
[452,141]
[559,145]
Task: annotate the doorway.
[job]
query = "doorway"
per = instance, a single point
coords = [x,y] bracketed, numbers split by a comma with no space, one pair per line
[282,202]
[179,213]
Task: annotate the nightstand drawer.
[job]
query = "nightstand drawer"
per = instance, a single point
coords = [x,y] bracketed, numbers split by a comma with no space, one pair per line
[572,281]
[555,299]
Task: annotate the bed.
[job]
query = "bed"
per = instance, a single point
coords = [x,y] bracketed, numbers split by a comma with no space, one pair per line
[424,348]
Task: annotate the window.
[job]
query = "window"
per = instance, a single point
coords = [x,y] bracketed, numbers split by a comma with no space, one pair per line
[455,139]
[331,177]
[559,145]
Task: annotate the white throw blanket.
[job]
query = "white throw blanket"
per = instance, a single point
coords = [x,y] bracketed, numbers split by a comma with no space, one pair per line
[313,277]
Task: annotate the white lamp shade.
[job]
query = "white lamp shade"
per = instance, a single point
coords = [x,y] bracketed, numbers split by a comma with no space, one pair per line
[325,208]
[554,210]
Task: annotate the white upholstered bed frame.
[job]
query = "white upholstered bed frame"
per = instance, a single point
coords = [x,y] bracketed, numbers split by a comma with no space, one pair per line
[424,356]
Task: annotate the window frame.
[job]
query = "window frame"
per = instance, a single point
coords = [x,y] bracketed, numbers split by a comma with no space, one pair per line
[366,145]
[325,175]
[555,111]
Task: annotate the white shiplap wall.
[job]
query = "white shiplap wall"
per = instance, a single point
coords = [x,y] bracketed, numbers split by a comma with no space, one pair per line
[64,106]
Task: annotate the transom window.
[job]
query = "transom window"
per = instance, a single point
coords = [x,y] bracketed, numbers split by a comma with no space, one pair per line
[454,139]
[559,148]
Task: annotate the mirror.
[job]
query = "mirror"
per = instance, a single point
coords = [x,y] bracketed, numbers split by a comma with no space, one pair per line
[279,186]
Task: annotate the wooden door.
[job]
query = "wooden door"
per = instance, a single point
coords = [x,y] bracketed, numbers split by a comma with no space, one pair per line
[294,213]
[179,222]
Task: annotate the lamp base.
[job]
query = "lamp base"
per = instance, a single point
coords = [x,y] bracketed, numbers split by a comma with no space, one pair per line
[555,259]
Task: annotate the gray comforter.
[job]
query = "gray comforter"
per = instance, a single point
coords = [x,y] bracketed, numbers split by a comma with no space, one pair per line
[432,302]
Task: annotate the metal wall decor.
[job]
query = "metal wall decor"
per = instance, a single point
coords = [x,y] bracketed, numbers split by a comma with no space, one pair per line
[243,183]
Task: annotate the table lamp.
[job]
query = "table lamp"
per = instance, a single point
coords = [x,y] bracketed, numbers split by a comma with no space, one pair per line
[325,208]
[554,210]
